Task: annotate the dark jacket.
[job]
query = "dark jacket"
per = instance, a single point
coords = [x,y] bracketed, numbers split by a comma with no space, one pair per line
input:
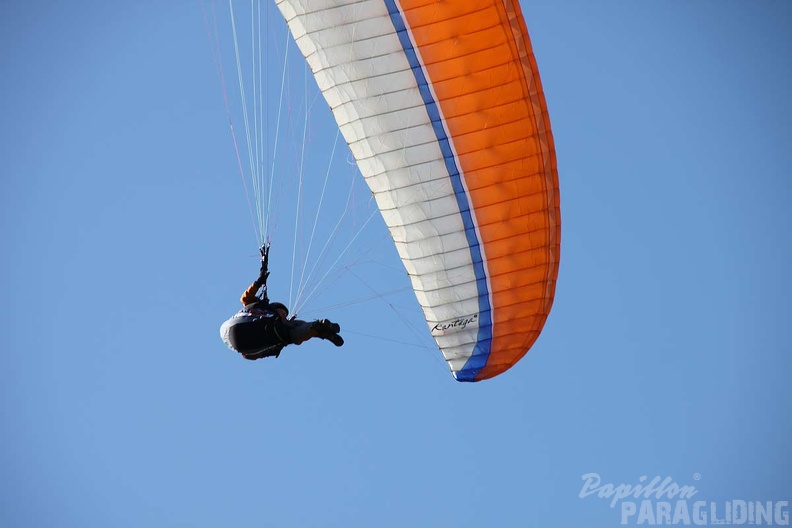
[256,331]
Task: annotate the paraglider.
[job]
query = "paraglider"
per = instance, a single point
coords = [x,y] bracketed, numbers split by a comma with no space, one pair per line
[442,107]
[262,328]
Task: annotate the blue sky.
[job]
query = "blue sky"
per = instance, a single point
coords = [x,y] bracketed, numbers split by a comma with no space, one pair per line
[128,241]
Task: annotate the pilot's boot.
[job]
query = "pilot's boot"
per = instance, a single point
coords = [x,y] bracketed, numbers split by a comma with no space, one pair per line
[326,329]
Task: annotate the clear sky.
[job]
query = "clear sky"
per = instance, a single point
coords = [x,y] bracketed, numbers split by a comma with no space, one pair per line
[127,241]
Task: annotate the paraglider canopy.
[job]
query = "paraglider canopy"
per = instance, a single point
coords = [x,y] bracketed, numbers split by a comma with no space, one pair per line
[442,107]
